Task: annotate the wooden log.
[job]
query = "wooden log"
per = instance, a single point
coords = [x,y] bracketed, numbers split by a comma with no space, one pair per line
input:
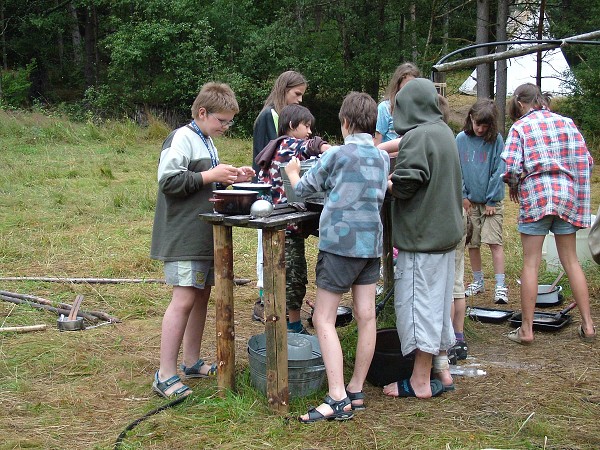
[512,53]
[224,304]
[24,329]
[86,315]
[237,281]
[275,323]
[84,280]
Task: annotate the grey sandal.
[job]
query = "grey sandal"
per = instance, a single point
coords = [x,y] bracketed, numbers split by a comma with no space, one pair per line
[194,371]
[354,396]
[161,387]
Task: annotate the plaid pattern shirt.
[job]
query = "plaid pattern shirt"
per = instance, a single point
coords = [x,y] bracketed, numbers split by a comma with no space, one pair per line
[548,161]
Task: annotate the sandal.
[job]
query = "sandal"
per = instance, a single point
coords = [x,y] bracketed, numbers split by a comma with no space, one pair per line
[584,337]
[354,396]
[161,387]
[336,407]
[405,389]
[515,336]
[194,371]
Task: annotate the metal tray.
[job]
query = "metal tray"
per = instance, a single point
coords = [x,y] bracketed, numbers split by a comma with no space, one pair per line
[489,315]
[543,321]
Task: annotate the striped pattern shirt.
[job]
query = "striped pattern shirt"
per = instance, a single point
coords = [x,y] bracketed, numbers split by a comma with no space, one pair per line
[548,160]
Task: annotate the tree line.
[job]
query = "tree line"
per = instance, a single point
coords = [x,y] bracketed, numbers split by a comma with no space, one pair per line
[122,58]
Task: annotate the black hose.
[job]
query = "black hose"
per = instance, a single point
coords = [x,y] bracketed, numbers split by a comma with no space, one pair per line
[379,306]
[136,422]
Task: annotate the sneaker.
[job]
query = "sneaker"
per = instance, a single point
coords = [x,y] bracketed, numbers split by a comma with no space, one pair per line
[474,288]
[501,295]
[302,331]
[258,313]
[460,350]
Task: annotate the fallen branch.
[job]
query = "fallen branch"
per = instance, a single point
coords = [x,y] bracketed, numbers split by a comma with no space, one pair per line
[58,311]
[236,281]
[24,329]
[63,308]
[85,280]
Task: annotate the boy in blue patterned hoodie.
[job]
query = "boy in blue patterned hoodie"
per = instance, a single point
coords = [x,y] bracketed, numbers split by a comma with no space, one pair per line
[354,179]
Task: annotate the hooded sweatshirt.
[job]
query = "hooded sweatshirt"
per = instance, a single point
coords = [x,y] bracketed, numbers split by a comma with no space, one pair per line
[426,182]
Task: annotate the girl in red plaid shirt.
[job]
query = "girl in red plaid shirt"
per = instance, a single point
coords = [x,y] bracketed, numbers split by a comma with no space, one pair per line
[548,169]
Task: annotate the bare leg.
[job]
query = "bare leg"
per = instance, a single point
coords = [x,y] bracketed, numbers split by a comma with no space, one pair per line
[324,318]
[532,257]
[497,258]
[364,314]
[192,338]
[294,315]
[459,308]
[173,327]
[566,244]
[420,379]
[475,259]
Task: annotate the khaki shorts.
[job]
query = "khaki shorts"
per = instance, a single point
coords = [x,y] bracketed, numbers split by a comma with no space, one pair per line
[486,229]
[198,274]
[459,263]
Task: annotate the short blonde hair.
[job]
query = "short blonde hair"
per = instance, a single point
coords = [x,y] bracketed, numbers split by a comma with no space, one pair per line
[215,97]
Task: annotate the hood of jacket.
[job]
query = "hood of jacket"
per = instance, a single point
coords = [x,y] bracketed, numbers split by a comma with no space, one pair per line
[416,104]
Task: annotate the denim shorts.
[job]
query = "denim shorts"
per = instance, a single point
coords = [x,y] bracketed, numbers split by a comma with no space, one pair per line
[545,224]
[198,274]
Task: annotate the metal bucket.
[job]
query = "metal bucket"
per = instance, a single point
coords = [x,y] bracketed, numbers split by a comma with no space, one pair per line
[305,376]
[290,193]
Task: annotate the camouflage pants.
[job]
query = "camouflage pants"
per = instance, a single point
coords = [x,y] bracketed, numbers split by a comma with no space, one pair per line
[296,277]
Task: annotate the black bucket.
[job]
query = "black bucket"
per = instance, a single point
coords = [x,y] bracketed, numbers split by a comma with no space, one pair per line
[388,364]
[305,376]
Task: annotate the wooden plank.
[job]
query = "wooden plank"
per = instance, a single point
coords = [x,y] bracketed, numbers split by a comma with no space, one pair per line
[275,326]
[224,304]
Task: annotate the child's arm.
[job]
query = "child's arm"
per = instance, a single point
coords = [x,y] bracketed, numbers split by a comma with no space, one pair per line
[292,169]
[391,147]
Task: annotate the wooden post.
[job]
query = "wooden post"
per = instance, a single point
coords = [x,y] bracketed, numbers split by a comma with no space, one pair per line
[224,302]
[275,323]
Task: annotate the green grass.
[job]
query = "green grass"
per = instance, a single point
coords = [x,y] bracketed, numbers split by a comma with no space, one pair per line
[77,200]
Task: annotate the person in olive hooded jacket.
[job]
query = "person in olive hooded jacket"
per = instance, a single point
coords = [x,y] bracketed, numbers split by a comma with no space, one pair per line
[427,215]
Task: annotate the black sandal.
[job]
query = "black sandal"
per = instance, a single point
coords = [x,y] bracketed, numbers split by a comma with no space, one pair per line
[353,396]
[337,408]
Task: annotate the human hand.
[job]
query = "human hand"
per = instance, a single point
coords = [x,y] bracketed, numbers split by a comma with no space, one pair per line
[467,205]
[292,167]
[245,173]
[490,210]
[324,148]
[223,173]
[513,193]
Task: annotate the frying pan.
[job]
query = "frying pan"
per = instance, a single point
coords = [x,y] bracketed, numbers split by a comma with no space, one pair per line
[544,321]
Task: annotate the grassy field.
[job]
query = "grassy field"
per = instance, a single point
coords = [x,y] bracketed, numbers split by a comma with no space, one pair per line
[77,200]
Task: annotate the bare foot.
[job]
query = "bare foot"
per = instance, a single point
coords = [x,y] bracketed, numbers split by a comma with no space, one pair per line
[409,389]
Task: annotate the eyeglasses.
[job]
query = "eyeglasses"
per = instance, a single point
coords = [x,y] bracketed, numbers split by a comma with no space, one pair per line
[224,123]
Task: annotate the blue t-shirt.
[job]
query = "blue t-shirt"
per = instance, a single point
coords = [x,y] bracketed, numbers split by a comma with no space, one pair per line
[385,122]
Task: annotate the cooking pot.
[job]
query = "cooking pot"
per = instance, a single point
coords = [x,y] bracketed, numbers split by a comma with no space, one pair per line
[234,202]
[263,189]
[547,297]
[388,364]
[343,318]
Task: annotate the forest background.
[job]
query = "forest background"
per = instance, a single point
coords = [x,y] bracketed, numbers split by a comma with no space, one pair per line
[95,59]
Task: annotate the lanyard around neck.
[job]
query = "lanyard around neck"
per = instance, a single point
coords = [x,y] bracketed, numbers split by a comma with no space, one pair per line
[212,151]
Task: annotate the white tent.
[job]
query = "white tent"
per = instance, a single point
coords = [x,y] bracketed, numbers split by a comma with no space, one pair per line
[523,69]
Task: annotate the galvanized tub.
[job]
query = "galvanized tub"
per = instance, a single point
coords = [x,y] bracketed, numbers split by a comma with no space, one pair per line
[305,376]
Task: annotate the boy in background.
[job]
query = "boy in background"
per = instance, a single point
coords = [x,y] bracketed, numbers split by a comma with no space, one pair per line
[293,142]
[354,179]
[188,169]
